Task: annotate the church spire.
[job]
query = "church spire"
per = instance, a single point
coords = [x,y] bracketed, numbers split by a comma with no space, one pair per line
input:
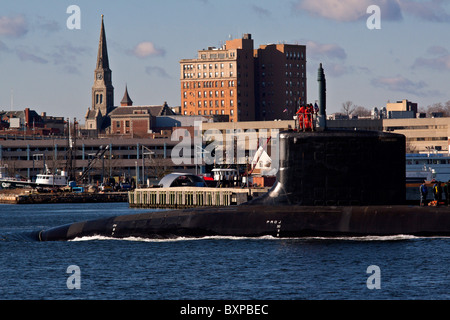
[102,58]
[103,90]
[126,101]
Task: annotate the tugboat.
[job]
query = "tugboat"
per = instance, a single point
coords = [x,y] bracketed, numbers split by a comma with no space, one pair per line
[43,180]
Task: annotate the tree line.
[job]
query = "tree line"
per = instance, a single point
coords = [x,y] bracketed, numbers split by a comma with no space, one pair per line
[348,108]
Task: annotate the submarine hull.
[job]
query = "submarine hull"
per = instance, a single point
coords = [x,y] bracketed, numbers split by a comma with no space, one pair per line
[329,183]
[258,221]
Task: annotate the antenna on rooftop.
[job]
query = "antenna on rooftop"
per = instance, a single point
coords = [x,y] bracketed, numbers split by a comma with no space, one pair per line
[12,100]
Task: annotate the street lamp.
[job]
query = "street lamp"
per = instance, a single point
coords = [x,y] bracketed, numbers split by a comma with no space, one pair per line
[149,152]
[202,152]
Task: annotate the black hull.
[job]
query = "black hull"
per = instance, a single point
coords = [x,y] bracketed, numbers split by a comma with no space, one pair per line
[330,183]
[258,221]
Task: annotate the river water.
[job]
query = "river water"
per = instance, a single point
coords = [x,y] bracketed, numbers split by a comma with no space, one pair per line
[368,268]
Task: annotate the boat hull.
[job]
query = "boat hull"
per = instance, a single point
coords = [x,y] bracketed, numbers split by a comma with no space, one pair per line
[258,221]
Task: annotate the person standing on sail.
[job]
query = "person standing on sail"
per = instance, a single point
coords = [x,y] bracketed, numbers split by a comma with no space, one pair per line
[423,193]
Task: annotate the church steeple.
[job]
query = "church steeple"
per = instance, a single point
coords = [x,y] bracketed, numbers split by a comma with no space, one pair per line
[102,57]
[126,101]
[103,90]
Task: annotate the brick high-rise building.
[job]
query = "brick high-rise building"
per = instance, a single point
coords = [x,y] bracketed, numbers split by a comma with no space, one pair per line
[244,83]
[280,81]
[220,81]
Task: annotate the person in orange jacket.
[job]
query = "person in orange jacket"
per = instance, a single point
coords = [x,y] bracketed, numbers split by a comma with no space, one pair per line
[301,117]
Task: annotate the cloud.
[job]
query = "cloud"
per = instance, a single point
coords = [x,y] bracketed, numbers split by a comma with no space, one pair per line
[157,71]
[437,50]
[402,84]
[24,54]
[319,51]
[438,63]
[146,49]
[67,53]
[260,11]
[438,59]
[3,47]
[46,25]
[13,26]
[349,10]
[391,10]
[431,10]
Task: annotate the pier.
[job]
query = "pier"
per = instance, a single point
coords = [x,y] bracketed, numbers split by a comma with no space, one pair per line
[28,197]
[190,197]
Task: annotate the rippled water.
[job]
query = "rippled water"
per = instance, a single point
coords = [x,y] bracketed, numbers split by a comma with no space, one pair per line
[211,268]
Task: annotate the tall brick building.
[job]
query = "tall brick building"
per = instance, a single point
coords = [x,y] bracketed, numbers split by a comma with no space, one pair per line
[243,83]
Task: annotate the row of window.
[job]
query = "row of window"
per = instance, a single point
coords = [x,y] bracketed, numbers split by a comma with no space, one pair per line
[208,75]
[210,103]
[212,94]
[205,67]
[207,84]
[210,112]
[428,161]
[204,56]
[295,55]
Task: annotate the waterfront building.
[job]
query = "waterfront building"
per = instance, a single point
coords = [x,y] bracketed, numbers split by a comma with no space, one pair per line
[133,158]
[220,81]
[135,121]
[244,83]
[29,122]
[401,109]
[280,81]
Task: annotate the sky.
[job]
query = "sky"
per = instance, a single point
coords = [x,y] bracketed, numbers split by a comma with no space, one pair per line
[49,67]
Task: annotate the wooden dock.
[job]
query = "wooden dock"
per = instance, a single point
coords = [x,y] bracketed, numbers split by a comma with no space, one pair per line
[190,197]
[62,197]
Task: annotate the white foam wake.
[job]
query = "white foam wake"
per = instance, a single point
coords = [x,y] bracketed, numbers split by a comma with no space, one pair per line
[139,239]
[400,237]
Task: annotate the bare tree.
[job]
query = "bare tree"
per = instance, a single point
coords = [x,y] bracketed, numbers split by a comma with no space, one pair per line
[361,112]
[348,108]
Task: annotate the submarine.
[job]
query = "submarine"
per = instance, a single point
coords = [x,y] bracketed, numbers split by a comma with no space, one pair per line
[330,183]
